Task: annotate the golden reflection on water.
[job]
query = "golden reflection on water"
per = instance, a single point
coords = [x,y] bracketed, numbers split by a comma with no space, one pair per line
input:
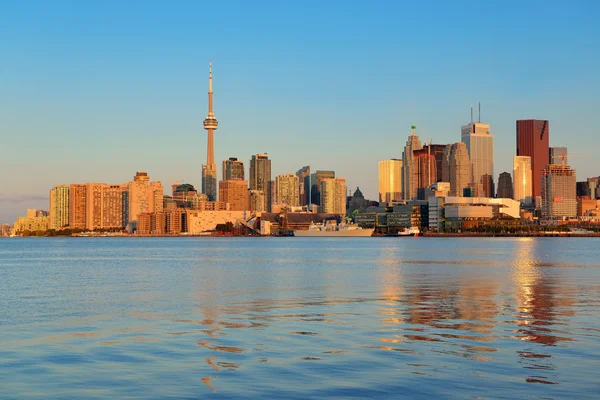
[541,302]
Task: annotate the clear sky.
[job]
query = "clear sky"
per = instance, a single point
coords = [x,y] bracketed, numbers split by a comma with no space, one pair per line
[95,91]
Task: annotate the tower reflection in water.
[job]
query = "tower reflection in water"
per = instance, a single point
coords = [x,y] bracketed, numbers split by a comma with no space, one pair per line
[542,305]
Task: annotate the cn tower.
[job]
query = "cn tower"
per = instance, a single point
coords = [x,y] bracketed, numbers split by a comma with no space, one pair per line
[209,170]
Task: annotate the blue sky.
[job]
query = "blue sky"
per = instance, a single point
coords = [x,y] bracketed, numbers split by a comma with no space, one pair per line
[95,91]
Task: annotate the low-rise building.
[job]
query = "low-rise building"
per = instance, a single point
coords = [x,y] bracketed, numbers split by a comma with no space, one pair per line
[451,211]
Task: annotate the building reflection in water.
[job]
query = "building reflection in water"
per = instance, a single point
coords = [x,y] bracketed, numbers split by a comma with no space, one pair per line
[456,308]
[542,305]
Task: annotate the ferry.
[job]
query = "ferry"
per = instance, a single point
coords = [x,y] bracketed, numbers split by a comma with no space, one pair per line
[412,231]
[332,229]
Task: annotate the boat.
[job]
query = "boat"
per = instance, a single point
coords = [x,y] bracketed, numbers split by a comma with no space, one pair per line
[332,229]
[412,231]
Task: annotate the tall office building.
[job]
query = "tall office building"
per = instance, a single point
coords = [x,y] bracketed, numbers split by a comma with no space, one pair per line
[287,190]
[533,138]
[558,155]
[233,169]
[314,183]
[303,175]
[410,173]
[390,180]
[77,205]
[333,196]
[59,206]
[426,170]
[143,196]
[505,186]
[234,192]
[209,170]
[522,180]
[480,145]
[559,197]
[457,168]
[260,177]
[437,151]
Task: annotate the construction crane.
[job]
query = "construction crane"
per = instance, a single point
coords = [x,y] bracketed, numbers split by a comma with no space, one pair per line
[563,157]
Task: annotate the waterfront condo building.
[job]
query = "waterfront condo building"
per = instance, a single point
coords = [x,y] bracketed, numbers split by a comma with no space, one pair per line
[522,180]
[286,188]
[456,168]
[144,196]
[234,192]
[59,206]
[333,196]
[559,191]
[260,177]
[77,205]
[410,173]
[505,186]
[233,169]
[390,180]
[533,138]
[480,146]
[106,206]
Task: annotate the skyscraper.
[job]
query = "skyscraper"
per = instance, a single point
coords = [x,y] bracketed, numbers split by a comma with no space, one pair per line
[209,170]
[457,168]
[426,170]
[260,176]
[480,145]
[559,191]
[333,196]
[233,169]
[505,186]
[303,175]
[558,155]
[533,138]
[390,180]
[287,190]
[410,172]
[522,180]
[59,206]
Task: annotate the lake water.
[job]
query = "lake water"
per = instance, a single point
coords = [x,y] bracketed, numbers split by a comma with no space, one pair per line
[187,318]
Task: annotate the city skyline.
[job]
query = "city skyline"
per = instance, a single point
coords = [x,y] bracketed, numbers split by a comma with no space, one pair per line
[83,132]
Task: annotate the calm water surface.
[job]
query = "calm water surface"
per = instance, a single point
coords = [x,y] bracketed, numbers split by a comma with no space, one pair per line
[187,318]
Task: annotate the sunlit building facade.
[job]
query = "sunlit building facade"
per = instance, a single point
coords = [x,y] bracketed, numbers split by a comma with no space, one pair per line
[522,180]
[59,206]
[390,180]
[333,196]
[480,145]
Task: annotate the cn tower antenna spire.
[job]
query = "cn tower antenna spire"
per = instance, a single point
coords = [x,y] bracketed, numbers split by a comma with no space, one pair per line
[209,170]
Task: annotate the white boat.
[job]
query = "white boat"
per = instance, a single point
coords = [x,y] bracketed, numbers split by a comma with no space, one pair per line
[331,228]
[412,231]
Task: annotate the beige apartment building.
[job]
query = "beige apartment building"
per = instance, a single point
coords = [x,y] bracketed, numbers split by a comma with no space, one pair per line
[333,196]
[59,206]
[144,196]
[287,187]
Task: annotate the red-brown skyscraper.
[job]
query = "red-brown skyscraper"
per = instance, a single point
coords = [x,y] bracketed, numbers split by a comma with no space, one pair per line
[533,141]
